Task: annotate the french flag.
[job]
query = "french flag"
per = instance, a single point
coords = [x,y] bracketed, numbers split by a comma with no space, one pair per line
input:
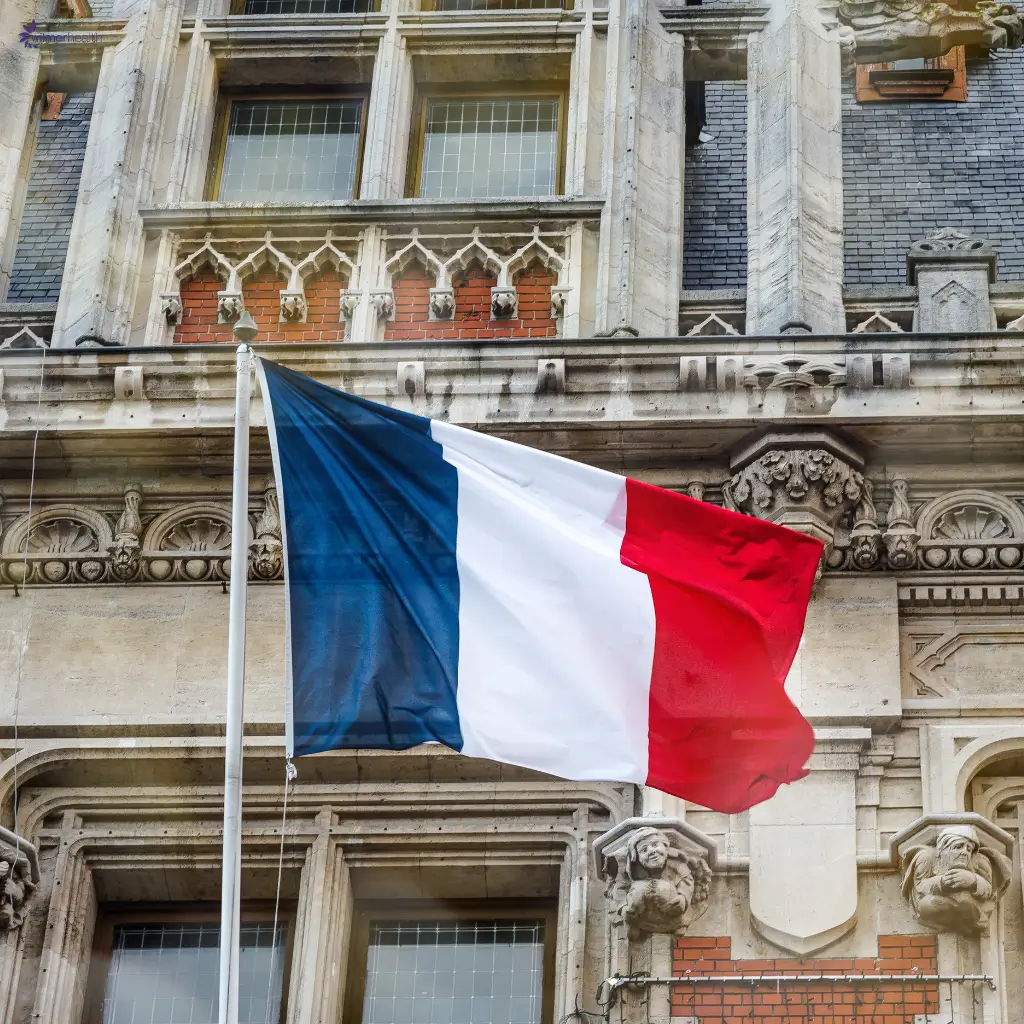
[448,586]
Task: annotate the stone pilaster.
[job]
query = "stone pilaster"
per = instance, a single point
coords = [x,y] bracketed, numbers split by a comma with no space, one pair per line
[794,174]
[952,272]
[105,247]
[19,74]
[640,264]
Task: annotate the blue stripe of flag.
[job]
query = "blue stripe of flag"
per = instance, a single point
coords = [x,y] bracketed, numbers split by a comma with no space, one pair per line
[370,510]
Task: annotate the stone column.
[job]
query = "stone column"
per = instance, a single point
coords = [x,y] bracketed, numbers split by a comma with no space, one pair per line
[952,272]
[105,247]
[644,919]
[19,75]
[641,258]
[794,174]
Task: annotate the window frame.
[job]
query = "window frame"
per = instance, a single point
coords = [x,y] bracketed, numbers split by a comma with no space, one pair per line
[222,122]
[368,911]
[237,10]
[954,60]
[461,91]
[110,916]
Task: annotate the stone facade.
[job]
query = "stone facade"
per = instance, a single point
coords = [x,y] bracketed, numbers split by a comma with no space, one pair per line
[675,313]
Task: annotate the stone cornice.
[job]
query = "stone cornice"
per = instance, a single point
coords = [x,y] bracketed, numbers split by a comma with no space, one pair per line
[715,38]
[355,213]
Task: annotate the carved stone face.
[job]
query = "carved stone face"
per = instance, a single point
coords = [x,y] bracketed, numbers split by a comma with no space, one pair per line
[652,852]
[956,851]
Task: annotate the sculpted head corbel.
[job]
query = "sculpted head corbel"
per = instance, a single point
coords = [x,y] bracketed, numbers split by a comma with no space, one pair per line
[19,877]
[658,872]
[956,868]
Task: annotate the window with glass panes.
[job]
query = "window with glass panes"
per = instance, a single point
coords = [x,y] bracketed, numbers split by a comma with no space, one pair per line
[167,974]
[460,971]
[489,148]
[305,7]
[291,150]
[495,5]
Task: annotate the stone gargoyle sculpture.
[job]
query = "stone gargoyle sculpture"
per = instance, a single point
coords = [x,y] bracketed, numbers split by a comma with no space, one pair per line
[876,31]
[19,877]
[954,882]
[659,875]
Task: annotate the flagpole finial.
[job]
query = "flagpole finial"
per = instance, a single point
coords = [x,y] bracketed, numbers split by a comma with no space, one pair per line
[245,329]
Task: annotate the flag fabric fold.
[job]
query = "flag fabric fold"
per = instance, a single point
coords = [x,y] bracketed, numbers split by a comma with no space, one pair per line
[445,585]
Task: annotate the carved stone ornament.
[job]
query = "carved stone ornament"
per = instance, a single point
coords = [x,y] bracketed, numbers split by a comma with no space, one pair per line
[171,308]
[384,304]
[866,537]
[900,537]
[804,482]
[266,550]
[349,304]
[229,307]
[559,298]
[504,303]
[19,878]
[955,870]
[126,549]
[658,872]
[878,31]
[293,307]
[442,303]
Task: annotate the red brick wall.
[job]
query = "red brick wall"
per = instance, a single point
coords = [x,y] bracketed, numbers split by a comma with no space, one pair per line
[806,1002]
[472,307]
[262,297]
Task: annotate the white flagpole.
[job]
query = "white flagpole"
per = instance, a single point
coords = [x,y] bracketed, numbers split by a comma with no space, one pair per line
[245,331]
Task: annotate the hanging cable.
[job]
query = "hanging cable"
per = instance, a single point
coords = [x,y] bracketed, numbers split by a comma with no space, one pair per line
[23,646]
[289,776]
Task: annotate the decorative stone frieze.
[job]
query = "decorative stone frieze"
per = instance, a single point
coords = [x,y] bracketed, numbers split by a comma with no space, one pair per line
[952,272]
[127,545]
[876,32]
[658,872]
[19,878]
[804,481]
[956,868]
[266,550]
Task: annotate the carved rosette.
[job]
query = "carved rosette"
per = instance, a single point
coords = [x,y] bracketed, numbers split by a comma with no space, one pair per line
[19,878]
[266,550]
[125,551]
[956,868]
[658,872]
[807,487]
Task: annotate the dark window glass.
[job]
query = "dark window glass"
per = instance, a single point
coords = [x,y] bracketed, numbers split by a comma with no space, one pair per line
[167,974]
[454,972]
[495,5]
[298,151]
[308,6]
[480,149]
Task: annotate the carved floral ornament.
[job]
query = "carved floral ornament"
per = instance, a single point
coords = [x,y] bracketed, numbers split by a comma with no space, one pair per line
[187,543]
[658,872]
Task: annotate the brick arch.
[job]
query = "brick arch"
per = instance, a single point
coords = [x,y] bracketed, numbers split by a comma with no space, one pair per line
[262,296]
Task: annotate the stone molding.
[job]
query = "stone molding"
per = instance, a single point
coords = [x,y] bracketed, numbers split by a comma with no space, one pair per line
[658,872]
